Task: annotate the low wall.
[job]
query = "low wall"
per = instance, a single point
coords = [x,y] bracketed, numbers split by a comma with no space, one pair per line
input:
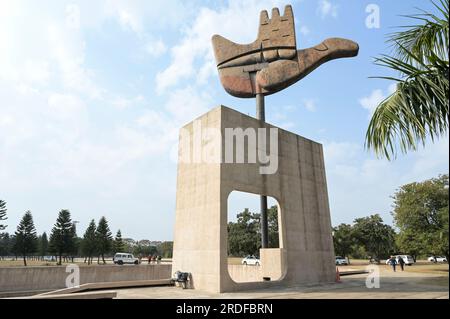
[16,279]
[273,266]
[241,273]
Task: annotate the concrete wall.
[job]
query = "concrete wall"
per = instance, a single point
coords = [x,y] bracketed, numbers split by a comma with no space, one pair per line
[299,186]
[241,273]
[273,261]
[273,266]
[14,279]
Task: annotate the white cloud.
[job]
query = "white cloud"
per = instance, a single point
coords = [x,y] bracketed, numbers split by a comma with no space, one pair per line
[304,30]
[310,104]
[36,71]
[377,96]
[195,47]
[156,48]
[129,20]
[371,102]
[124,103]
[357,180]
[327,8]
[341,152]
[139,16]
[68,49]
[187,103]
[73,16]
[64,107]
[431,159]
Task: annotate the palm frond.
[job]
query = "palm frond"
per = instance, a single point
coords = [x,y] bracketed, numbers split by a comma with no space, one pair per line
[428,37]
[419,108]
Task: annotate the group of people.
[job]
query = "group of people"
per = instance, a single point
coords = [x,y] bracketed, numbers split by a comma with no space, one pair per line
[154,259]
[393,261]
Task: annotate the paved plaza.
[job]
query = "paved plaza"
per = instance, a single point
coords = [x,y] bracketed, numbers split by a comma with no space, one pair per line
[409,284]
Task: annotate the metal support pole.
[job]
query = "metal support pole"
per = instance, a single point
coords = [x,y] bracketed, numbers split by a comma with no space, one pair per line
[260,115]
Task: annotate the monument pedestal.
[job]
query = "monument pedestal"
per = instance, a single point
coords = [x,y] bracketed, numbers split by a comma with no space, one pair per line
[204,182]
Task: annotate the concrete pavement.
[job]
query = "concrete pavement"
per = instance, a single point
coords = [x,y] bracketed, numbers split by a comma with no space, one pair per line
[399,285]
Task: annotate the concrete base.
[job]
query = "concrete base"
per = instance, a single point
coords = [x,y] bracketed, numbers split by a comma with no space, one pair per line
[299,186]
[273,263]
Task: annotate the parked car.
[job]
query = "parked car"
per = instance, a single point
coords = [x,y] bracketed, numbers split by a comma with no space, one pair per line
[125,258]
[341,260]
[409,261]
[49,258]
[437,259]
[251,260]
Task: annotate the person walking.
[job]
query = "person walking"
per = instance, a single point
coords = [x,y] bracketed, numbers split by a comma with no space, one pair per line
[401,262]
[393,262]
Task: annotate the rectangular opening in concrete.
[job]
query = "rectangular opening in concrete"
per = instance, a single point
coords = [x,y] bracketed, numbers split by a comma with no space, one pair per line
[247,262]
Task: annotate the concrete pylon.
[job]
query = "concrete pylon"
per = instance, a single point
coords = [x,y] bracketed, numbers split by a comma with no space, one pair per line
[205,180]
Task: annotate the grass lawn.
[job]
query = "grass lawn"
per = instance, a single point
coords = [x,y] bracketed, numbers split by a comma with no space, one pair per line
[421,266]
[235,260]
[77,261]
[31,263]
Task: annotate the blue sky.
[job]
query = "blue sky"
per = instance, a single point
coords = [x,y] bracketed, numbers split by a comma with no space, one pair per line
[92,94]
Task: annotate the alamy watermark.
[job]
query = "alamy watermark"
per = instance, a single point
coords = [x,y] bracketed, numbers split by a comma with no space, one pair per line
[374,17]
[373,278]
[73,279]
[237,145]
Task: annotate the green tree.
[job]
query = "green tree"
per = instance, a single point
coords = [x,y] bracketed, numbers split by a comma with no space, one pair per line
[76,242]
[419,108]
[26,239]
[118,245]
[62,235]
[343,239]
[358,251]
[104,239]
[43,244]
[2,214]
[166,249]
[244,236]
[377,238]
[144,248]
[272,221]
[89,242]
[421,214]
[13,246]
[5,245]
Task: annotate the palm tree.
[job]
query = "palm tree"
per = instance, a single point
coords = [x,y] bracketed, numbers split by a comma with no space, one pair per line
[419,108]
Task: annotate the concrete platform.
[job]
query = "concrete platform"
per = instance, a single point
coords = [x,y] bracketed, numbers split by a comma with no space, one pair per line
[109,285]
[81,295]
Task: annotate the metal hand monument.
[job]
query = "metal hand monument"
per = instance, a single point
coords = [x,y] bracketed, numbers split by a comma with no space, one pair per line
[270,64]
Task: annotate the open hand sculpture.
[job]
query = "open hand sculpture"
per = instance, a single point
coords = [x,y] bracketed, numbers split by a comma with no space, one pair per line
[272,62]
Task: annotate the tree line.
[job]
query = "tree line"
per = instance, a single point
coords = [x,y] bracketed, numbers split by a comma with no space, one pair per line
[244,235]
[420,218]
[64,244]
[420,214]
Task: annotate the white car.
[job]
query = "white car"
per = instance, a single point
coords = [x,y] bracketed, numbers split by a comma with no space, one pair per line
[49,258]
[437,259]
[251,260]
[125,258]
[406,258]
[341,260]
